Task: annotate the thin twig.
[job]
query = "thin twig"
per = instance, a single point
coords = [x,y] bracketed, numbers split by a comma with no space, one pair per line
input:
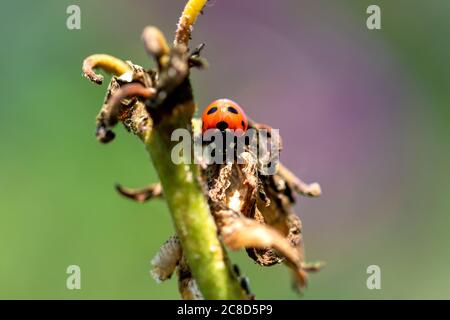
[106,62]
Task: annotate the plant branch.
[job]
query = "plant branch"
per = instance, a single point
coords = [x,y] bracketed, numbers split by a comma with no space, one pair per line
[181,183]
[106,62]
[193,221]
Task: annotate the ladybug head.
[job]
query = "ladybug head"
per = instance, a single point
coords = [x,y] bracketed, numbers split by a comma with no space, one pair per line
[224,114]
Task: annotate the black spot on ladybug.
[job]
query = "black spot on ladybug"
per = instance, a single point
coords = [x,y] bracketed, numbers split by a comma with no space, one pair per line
[212,110]
[222,125]
[243,123]
[232,110]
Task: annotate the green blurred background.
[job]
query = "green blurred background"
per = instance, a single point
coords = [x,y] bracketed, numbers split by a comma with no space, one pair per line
[365,113]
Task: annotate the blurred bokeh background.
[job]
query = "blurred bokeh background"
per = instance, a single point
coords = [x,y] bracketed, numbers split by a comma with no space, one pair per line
[365,113]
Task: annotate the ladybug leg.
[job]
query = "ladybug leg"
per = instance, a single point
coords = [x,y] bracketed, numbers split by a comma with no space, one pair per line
[141,195]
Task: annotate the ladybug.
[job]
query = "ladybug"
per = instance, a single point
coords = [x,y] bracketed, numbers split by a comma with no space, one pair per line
[224,114]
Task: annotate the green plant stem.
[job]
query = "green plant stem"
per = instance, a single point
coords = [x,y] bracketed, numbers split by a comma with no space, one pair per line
[191,215]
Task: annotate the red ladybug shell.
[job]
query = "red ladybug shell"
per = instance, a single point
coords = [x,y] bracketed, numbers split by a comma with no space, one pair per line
[224,114]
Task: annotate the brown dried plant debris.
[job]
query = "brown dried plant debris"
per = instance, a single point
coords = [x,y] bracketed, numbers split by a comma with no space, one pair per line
[252,211]
[141,195]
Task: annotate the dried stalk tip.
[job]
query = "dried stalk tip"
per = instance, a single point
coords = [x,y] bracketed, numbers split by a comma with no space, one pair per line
[155,43]
[185,25]
[106,62]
